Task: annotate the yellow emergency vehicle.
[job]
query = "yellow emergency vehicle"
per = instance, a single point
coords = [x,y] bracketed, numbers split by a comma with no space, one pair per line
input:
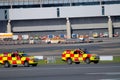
[14,59]
[77,56]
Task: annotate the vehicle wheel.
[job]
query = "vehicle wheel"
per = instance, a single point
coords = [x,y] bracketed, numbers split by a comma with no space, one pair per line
[14,65]
[26,64]
[69,61]
[77,62]
[6,64]
[87,61]
[95,62]
[34,65]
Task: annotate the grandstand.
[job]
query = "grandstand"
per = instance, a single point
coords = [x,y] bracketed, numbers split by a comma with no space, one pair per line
[49,16]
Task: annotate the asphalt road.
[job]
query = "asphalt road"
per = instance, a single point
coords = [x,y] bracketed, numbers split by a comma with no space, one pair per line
[108,47]
[63,72]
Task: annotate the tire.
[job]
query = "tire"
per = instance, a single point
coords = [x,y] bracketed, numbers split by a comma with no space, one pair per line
[6,64]
[69,61]
[87,61]
[34,65]
[14,65]
[26,64]
[96,62]
[77,62]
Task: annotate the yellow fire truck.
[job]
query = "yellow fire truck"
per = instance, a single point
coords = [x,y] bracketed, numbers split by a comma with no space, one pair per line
[78,56]
[14,59]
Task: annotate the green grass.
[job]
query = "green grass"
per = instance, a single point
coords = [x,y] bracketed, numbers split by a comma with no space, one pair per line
[116,59]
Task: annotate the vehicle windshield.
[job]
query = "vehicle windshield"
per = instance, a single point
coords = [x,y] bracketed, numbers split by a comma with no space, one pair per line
[25,55]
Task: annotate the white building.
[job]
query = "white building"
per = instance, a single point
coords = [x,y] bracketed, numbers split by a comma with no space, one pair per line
[49,16]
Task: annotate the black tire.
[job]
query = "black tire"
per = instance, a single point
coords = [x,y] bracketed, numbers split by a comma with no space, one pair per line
[26,64]
[77,62]
[87,61]
[6,64]
[34,65]
[14,65]
[96,62]
[69,61]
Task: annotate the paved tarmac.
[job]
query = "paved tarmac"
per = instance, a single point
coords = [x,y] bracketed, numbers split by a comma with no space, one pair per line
[110,71]
[108,47]
[63,72]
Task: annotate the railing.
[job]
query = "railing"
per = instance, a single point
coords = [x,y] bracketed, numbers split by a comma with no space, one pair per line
[54,3]
[21,2]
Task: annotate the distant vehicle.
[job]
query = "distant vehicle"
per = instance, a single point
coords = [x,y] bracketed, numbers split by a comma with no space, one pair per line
[95,35]
[14,59]
[77,56]
[81,37]
[116,34]
[6,36]
[105,34]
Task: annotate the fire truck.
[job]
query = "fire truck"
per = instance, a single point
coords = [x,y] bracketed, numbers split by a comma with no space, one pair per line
[77,56]
[14,59]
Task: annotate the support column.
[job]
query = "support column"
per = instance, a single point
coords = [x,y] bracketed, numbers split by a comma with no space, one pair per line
[68,25]
[9,26]
[11,4]
[110,27]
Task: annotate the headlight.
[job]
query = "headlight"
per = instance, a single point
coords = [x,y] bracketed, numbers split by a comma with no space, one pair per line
[95,56]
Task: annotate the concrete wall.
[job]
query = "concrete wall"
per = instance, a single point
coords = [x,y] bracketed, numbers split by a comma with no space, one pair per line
[80,11]
[3,27]
[63,12]
[47,13]
[32,13]
[3,14]
[59,24]
[48,19]
[39,25]
[89,23]
[112,10]
[116,24]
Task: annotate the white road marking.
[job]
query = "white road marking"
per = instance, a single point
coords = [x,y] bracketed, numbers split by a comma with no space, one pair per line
[106,73]
[111,79]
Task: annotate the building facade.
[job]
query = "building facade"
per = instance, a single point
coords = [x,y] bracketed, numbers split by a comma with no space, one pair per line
[50,16]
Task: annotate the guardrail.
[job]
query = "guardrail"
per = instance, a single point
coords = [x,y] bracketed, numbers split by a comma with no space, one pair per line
[53,59]
[106,58]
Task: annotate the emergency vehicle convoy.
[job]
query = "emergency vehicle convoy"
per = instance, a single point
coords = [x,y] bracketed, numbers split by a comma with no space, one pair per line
[77,56]
[14,59]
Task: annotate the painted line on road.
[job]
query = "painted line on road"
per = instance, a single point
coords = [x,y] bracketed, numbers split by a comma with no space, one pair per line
[111,79]
[107,73]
